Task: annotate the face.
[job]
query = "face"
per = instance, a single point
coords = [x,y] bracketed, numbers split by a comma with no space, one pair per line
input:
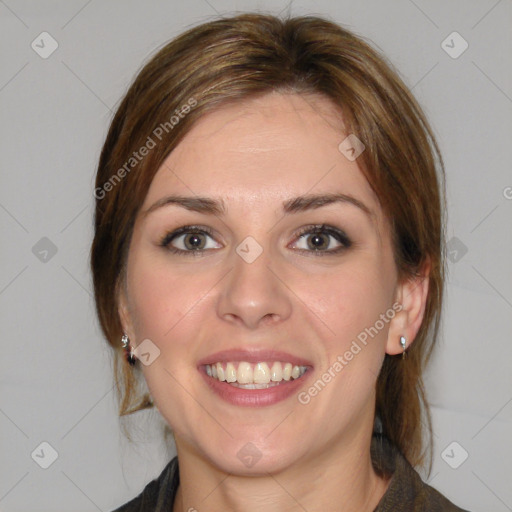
[260,246]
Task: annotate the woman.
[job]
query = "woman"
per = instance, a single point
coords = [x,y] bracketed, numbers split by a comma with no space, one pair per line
[268,257]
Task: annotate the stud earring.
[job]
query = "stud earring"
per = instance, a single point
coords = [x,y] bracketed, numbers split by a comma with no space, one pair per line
[403,343]
[128,351]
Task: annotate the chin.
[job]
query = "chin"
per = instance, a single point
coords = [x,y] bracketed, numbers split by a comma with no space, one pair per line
[252,455]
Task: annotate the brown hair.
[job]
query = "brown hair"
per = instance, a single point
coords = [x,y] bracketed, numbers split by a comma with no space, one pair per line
[236,58]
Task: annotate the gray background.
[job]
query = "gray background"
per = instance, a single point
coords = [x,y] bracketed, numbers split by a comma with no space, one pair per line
[56,381]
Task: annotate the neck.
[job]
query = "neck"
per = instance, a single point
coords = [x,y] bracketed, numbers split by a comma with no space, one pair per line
[341,479]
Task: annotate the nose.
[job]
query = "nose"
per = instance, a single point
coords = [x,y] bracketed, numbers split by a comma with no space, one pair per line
[254,294]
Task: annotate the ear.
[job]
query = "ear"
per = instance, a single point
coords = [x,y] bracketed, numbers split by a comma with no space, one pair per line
[411,295]
[125,315]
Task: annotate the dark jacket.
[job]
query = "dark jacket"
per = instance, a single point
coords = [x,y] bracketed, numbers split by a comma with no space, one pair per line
[406,491]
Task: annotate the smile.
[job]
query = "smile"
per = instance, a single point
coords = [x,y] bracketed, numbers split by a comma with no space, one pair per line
[254,378]
[261,375]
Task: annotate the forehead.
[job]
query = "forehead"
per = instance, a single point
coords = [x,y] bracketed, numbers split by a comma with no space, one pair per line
[261,152]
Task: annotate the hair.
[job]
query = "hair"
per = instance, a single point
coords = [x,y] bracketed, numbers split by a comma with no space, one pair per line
[234,59]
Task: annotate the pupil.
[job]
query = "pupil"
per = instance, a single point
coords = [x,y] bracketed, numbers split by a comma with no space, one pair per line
[194,242]
[317,242]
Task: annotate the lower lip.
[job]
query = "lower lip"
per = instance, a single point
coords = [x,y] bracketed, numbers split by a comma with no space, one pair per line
[254,397]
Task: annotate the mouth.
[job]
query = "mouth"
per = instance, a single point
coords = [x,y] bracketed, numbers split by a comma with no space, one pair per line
[256,378]
[262,375]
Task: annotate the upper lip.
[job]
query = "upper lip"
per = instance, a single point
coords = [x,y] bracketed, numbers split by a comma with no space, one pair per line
[254,356]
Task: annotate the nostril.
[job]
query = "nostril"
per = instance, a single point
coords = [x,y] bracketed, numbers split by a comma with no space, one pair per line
[270,318]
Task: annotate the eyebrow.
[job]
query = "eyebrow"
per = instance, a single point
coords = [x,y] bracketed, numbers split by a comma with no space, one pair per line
[210,206]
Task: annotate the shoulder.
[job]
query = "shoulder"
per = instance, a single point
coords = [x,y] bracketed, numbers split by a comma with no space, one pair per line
[406,490]
[158,495]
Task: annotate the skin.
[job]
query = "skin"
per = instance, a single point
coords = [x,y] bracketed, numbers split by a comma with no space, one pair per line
[254,156]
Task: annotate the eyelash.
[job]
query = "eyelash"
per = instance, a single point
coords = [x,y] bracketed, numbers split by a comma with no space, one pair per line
[336,233]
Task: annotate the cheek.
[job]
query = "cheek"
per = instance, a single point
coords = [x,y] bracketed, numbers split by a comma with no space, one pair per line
[161,298]
[349,300]
[169,311]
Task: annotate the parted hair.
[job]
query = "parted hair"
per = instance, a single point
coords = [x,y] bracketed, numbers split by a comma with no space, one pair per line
[234,59]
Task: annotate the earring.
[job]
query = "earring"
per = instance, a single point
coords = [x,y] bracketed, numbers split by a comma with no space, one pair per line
[128,351]
[403,344]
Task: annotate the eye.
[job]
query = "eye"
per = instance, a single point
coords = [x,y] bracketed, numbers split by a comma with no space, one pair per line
[189,239]
[322,239]
[316,239]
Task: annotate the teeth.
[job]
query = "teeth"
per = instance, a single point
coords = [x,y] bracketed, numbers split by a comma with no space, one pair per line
[230,372]
[255,386]
[276,372]
[244,374]
[220,373]
[259,376]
